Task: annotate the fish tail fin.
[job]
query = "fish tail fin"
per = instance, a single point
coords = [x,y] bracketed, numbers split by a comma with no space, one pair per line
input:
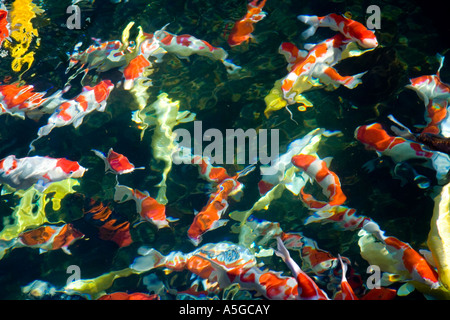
[313,21]
[150,259]
[354,80]
[123,193]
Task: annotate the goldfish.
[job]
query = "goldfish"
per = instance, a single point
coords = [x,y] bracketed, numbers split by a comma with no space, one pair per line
[349,28]
[342,216]
[148,208]
[115,162]
[243,28]
[318,170]
[22,173]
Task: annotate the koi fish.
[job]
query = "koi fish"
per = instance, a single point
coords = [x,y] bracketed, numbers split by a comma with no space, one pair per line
[23,173]
[317,169]
[20,101]
[102,57]
[148,208]
[209,218]
[349,28]
[136,68]
[408,258]
[307,288]
[115,162]
[221,264]
[346,292]
[129,296]
[436,96]
[73,111]
[431,140]
[106,220]
[49,237]
[374,137]
[186,45]
[243,28]
[4,24]
[318,261]
[342,216]
[317,64]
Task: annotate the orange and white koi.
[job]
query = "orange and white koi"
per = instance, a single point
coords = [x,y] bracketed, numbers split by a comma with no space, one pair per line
[317,169]
[349,28]
[316,260]
[221,264]
[243,28]
[73,111]
[374,137]
[186,45]
[317,64]
[136,68]
[436,96]
[4,24]
[22,173]
[22,101]
[111,226]
[49,237]
[408,258]
[210,217]
[148,208]
[115,162]
[307,288]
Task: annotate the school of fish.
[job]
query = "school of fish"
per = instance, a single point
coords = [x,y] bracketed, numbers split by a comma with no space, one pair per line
[239,269]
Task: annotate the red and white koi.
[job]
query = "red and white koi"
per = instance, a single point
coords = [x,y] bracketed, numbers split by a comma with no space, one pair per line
[349,28]
[210,217]
[317,169]
[186,45]
[243,28]
[436,96]
[23,101]
[136,68]
[307,288]
[148,208]
[23,173]
[317,64]
[73,111]
[115,162]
